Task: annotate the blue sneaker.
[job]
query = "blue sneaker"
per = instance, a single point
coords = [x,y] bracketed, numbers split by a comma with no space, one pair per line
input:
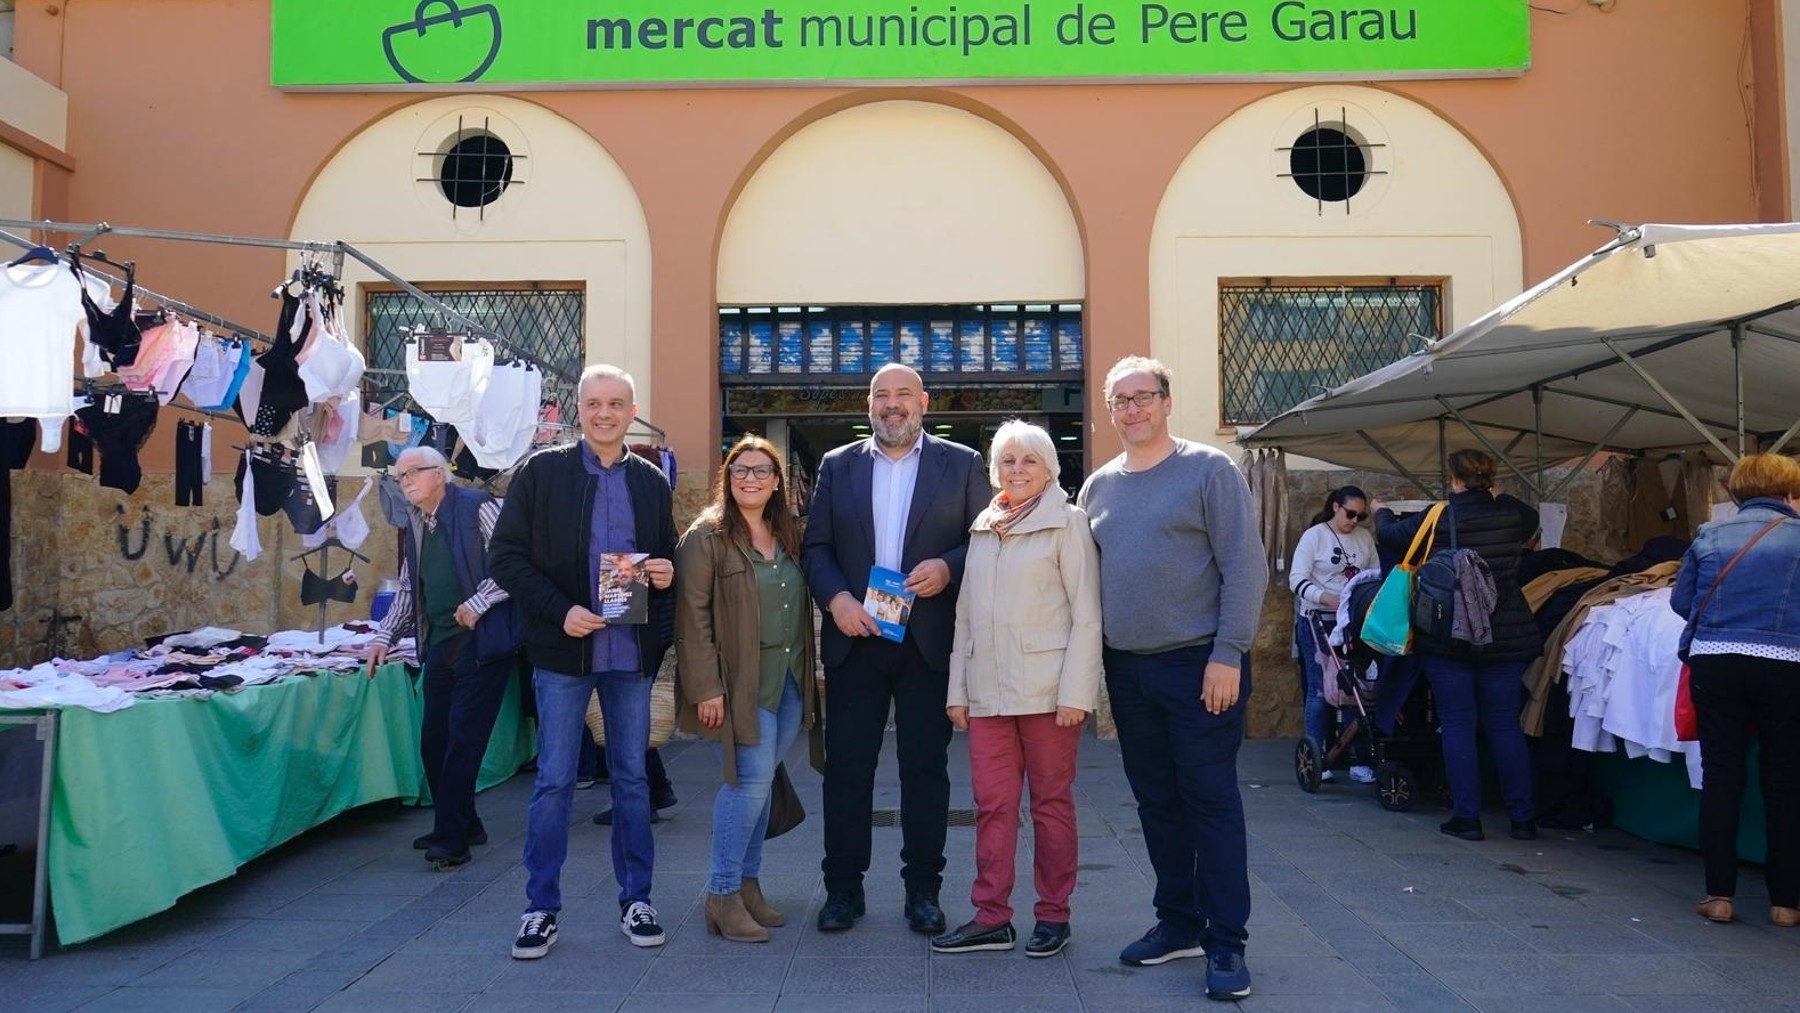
[1226,976]
[1159,946]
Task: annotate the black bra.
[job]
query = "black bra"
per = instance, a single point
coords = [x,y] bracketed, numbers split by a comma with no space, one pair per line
[116,334]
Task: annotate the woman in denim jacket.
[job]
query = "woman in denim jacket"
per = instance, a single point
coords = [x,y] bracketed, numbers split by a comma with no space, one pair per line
[1743,649]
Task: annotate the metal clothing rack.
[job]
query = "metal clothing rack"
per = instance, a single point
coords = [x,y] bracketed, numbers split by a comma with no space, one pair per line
[337,248]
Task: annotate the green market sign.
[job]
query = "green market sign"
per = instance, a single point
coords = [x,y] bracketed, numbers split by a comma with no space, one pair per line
[403,44]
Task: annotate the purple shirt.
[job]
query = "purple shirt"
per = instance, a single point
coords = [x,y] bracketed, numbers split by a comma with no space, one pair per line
[610,529]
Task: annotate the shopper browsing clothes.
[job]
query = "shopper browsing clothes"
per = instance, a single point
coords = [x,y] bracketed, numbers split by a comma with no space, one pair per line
[744,642]
[1024,675]
[1181,589]
[467,646]
[565,508]
[1334,548]
[902,500]
[1478,685]
[1739,590]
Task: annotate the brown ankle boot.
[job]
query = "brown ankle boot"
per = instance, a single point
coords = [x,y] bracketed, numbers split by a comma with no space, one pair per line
[1783,917]
[1716,909]
[759,906]
[725,916]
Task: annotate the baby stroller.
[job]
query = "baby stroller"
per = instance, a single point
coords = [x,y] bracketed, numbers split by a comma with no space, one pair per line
[1392,724]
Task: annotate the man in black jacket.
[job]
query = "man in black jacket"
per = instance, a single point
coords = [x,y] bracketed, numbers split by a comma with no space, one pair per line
[902,500]
[566,507]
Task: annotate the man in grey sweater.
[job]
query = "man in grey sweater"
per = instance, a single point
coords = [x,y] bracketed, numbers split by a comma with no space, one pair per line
[1181,588]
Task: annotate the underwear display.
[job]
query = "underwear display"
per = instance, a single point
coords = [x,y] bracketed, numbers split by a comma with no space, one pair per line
[315,590]
[119,424]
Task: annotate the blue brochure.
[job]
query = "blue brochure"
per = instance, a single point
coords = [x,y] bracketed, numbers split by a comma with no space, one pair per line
[889,602]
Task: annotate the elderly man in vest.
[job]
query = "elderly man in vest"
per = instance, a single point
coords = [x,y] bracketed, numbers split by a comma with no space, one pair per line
[467,646]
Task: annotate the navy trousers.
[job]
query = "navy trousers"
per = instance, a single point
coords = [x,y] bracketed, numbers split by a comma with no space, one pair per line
[1485,695]
[462,701]
[1182,765]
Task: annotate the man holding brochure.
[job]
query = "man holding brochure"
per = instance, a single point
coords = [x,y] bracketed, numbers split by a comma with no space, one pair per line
[890,514]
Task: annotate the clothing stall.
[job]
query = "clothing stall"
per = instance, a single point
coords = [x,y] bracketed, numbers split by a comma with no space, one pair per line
[143,729]
[1673,349]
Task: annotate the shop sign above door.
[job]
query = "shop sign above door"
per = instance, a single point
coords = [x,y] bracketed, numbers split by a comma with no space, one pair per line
[437,44]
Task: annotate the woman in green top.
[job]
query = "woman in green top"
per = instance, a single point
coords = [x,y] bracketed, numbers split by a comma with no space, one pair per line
[744,647]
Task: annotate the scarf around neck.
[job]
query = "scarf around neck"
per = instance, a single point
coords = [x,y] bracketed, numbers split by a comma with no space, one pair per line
[1006,515]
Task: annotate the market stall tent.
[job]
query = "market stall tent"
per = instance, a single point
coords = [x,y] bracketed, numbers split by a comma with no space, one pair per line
[1666,337]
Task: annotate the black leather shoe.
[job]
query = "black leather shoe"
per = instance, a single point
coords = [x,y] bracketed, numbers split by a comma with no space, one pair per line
[974,937]
[1466,829]
[603,818]
[1047,939]
[1524,830]
[663,797]
[477,832]
[442,857]
[923,914]
[841,911]
[423,841]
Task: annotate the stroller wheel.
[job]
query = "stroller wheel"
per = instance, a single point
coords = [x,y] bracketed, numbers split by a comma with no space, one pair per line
[1309,760]
[1396,787]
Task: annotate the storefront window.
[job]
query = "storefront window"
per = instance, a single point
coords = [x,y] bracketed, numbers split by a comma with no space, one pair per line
[757,344]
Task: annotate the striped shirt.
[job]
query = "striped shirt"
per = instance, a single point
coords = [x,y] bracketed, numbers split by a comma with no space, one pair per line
[400,621]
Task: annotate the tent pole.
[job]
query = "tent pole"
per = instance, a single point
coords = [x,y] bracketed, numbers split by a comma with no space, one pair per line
[1737,372]
[1443,453]
[1564,483]
[1663,393]
[1401,468]
[1793,430]
[1537,427]
[1496,451]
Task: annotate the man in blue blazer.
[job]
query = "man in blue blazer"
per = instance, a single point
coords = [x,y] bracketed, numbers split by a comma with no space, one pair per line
[903,500]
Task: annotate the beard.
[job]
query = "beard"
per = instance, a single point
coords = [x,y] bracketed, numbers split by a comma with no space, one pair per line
[896,432]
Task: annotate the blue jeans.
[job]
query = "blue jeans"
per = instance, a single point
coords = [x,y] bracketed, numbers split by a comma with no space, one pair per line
[1182,765]
[741,813]
[562,704]
[1485,695]
[1316,719]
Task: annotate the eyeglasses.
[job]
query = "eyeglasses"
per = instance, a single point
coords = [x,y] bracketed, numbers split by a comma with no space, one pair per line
[410,472]
[1143,399]
[743,471]
[1355,515]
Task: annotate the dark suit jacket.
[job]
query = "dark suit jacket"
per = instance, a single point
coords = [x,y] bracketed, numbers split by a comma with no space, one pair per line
[839,547]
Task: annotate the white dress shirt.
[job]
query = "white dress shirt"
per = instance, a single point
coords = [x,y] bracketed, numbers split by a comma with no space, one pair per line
[891,492]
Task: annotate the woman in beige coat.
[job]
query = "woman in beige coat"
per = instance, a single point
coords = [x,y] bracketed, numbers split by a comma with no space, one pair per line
[1024,674]
[744,647]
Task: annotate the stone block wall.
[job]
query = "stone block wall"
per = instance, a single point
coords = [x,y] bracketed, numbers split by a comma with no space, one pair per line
[96,570]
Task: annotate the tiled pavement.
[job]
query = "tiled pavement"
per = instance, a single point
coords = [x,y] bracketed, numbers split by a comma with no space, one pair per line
[1355,909]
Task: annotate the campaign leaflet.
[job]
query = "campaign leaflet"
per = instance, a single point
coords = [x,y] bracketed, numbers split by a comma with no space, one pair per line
[624,591]
[889,602]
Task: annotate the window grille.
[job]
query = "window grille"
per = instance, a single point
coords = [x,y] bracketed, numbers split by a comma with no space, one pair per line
[544,323]
[1280,344]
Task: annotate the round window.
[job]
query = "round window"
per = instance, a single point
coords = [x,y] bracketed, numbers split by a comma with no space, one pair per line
[1328,164]
[476,171]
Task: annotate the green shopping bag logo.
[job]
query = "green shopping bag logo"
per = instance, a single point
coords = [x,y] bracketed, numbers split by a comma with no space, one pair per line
[437,48]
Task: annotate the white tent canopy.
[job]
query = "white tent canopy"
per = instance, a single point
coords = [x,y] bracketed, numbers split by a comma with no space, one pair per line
[1668,336]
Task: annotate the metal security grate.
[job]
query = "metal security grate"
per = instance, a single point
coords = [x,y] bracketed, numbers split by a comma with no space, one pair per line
[544,323]
[1328,164]
[781,344]
[1281,344]
[475,169]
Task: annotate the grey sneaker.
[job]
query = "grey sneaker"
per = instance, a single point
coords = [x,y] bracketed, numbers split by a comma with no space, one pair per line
[640,926]
[537,931]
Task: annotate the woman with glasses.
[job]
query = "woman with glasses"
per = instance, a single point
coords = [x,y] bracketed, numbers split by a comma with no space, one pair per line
[744,643]
[1333,549]
[1024,674]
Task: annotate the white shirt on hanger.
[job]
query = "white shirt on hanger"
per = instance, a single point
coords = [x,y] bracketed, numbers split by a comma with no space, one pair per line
[40,311]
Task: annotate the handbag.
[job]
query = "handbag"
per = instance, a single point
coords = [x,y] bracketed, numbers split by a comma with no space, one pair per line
[662,708]
[1687,719]
[785,810]
[1388,628]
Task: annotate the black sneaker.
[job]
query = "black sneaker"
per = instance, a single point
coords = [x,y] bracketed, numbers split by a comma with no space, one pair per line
[1463,828]
[1524,830]
[663,797]
[603,818]
[640,926]
[1159,946]
[477,836]
[537,930]
[1047,939]
[1226,976]
[974,937]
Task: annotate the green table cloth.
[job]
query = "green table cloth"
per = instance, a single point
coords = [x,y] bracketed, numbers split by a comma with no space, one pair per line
[166,796]
[1654,801]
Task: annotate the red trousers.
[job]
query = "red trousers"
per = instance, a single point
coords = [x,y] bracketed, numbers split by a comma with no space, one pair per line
[1003,752]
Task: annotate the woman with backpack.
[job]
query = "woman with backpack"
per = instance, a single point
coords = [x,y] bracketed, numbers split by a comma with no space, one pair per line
[1478,686]
[1333,549]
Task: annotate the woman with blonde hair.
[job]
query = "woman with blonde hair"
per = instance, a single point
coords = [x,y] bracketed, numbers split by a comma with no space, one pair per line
[1739,590]
[744,644]
[1024,675]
